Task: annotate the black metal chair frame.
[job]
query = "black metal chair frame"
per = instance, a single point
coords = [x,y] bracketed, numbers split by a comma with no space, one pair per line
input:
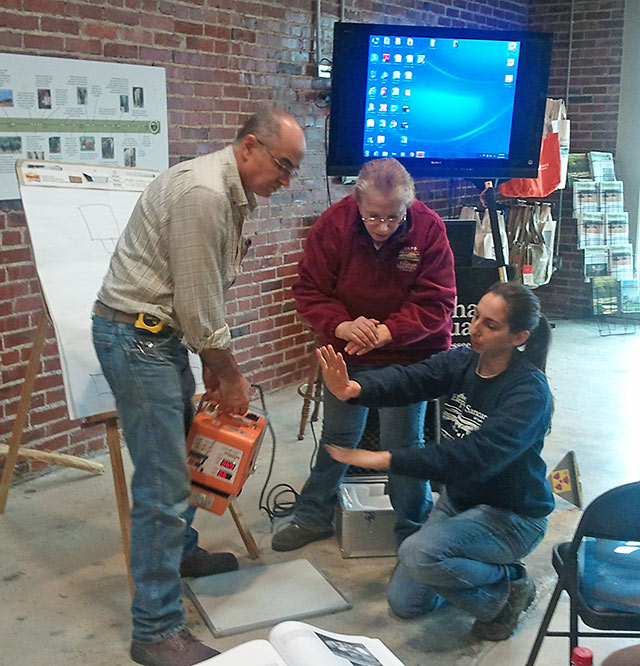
[613,515]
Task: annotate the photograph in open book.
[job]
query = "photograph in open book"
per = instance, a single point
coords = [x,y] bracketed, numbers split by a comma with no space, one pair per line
[355,653]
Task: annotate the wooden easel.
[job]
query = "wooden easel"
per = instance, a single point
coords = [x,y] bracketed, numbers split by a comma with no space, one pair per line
[13,450]
[110,420]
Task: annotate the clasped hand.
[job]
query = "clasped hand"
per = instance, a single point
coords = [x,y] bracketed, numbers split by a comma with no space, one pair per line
[362,335]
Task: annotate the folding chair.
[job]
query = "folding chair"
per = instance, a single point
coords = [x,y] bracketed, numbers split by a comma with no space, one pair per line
[600,571]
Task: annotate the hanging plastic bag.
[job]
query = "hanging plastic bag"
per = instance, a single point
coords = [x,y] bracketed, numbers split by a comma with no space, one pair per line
[532,258]
[556,116]
[554,157]
[483,245]
[549,173]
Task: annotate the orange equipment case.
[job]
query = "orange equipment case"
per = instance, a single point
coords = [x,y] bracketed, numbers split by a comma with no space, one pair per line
[221,454]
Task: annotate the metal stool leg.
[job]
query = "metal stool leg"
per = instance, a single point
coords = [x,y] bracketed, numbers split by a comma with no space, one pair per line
[308,395]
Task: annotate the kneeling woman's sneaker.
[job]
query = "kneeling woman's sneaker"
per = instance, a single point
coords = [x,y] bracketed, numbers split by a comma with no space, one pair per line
[521,596]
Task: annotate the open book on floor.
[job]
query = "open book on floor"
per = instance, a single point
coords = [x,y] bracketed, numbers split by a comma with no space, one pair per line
[298,644]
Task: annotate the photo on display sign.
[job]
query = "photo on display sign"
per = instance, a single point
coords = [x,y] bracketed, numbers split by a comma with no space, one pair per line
[107,148]
[87,143]
[44,98]
[55,144]
[6,97]
[130,157]
[138,97]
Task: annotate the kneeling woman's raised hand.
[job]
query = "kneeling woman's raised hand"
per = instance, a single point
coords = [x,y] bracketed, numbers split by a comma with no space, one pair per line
[335,375]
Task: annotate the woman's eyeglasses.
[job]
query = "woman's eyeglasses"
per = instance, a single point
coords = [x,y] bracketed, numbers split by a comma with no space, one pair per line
[389,221]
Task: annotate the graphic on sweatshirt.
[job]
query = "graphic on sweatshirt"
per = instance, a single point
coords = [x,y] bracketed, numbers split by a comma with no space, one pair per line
[462,418]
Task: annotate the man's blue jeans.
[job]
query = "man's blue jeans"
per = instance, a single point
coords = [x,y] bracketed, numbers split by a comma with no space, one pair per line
[461,557]
[343,424]
[150,378]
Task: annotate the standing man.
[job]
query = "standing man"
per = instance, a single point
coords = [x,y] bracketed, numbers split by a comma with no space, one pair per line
[163,294]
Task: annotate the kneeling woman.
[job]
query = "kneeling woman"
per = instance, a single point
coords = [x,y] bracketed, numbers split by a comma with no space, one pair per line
[493,511]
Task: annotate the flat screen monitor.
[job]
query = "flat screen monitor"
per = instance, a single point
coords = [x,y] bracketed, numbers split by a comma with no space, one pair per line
[446,102]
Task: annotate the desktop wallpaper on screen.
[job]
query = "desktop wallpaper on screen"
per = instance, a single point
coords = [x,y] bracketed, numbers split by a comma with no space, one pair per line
[436,96]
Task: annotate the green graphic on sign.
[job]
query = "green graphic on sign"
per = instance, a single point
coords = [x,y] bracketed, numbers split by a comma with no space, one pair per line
[76,125]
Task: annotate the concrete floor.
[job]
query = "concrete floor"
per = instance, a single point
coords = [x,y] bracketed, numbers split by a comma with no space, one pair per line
[64,597]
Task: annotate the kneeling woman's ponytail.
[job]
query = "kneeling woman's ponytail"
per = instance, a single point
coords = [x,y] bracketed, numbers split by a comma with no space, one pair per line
[523,314]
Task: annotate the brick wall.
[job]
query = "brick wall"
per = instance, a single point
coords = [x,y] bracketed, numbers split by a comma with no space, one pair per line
[222,59]
[593,83]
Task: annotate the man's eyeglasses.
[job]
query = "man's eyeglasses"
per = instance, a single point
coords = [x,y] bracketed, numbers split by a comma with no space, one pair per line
[390,220]
[287,169]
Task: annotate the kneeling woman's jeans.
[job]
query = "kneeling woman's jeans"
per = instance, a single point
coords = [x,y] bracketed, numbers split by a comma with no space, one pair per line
[461,557]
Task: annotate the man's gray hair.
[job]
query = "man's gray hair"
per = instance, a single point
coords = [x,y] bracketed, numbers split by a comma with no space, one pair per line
[385,176]
[265,125]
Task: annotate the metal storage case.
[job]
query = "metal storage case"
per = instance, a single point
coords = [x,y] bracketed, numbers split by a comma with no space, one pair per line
[365,520]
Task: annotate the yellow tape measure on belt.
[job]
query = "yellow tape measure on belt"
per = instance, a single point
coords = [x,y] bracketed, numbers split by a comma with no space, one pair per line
[148,322]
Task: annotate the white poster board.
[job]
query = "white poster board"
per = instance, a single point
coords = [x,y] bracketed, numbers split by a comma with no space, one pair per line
[80,111]
[75,214]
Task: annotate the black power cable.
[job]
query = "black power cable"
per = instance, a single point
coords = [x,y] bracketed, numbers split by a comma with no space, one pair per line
[281,499]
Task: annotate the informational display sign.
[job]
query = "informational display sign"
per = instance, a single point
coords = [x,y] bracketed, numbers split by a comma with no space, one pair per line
[81,111]
[75,214]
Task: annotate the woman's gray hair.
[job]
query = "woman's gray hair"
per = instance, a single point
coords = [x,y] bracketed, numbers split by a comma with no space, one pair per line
[385,176]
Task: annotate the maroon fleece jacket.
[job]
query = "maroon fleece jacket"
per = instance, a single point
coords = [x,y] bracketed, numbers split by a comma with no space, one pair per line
[408,284]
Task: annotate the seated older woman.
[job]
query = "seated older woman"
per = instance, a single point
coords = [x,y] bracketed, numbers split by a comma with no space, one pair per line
[376,281]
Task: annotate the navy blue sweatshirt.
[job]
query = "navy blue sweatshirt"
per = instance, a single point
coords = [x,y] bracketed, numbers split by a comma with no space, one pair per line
[492,429]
